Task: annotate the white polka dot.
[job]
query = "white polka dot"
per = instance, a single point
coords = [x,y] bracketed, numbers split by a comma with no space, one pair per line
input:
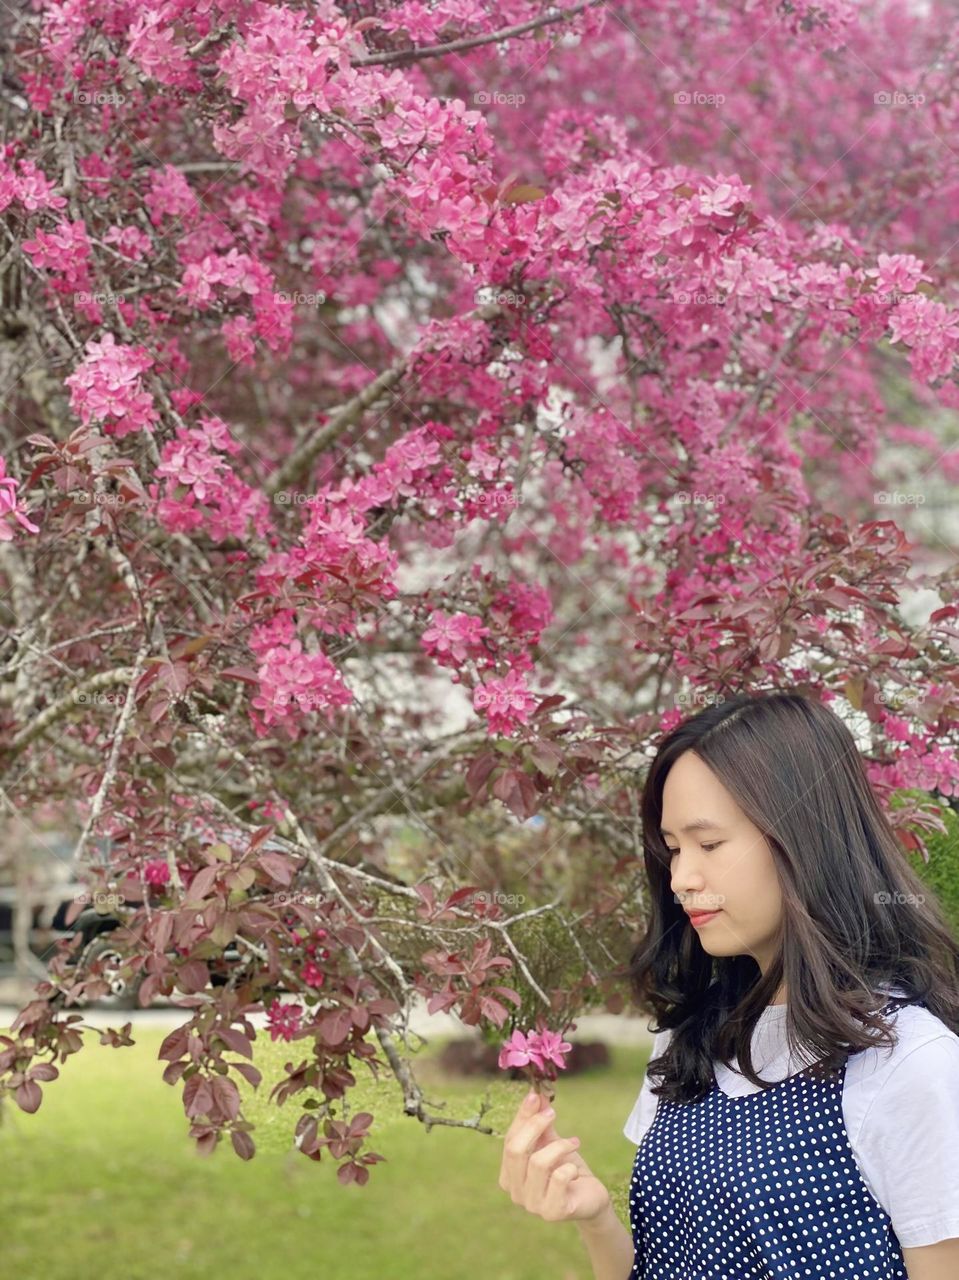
[762,1186]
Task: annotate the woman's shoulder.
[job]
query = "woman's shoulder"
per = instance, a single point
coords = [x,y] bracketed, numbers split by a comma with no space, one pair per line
[921,1036]
[887,1084]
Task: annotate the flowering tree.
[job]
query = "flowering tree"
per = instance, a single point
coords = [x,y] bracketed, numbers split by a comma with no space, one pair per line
[350,351]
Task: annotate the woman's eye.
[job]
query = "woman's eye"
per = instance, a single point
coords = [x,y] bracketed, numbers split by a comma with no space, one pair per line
[709,847]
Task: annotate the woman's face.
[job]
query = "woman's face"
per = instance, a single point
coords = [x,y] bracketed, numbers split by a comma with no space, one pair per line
[726,864]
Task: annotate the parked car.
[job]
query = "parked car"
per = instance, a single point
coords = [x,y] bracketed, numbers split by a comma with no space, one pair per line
[97,920]
[95,928]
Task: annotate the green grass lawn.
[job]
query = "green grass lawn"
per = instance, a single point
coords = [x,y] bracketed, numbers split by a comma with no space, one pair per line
[103,1181]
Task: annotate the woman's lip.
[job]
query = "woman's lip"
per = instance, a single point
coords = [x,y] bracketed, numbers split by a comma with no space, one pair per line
[697,917]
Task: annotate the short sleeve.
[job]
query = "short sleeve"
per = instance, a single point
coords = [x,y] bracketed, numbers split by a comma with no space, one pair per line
[644,1108]
[908,1144]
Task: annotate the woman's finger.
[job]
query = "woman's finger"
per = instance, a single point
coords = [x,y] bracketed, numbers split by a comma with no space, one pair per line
[517,1149]
[555,1205]
[541,1167]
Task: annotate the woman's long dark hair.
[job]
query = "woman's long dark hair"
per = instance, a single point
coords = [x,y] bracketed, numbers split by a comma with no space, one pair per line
[855,918]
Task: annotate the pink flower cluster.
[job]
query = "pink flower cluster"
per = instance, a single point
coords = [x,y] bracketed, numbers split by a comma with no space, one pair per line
[931,330]
[130,241]
[29,185]
[284,1020]
[10,508]
[238,273]
[336,569]
[106,387]
[451,638]
[66,249]
[156,873]
[312,974]
[527,610]
[542,1050]
[295,682]
[152,45]
[507,702]
[418,451]
[202,491]
[169,195]
[897,272]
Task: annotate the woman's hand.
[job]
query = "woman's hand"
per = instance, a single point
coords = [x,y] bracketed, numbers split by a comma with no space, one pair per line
[545,1173]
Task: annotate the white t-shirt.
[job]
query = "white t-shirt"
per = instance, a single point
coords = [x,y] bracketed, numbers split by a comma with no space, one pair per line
[900,1106]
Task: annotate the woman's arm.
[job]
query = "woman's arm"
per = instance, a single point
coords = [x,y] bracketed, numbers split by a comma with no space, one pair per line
[609,1245]
[933,1261]
[546,1175]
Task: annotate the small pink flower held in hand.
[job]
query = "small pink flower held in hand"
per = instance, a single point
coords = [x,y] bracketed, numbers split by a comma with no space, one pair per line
[540,1052]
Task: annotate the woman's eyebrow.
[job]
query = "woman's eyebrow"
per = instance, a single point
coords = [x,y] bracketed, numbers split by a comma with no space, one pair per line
[697,824]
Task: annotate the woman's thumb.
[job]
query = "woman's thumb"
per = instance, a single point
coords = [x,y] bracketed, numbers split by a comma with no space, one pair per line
[549,1133]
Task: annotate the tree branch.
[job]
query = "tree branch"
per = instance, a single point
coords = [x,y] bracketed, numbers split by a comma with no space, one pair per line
[473,42]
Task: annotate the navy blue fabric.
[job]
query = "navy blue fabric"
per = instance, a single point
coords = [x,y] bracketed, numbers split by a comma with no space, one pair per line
[759,1187]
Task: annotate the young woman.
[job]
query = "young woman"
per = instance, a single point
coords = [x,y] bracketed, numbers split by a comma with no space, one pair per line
[787,935]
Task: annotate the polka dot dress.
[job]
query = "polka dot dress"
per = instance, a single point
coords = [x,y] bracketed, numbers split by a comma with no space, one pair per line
[759,1187]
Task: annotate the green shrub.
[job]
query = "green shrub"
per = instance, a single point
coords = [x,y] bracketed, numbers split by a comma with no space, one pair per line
[941,873]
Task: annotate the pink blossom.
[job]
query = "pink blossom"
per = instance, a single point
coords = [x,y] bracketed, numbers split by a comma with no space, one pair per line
[516,1052]
[482,463]
[312,974]
[233,270]
[551,1047]
[450,638]
[897,272]
[527,608]
[156,873]
[293,683]
[34,189]
[169,195]
[718,202]
[132,242]
[65,249]
[931,330]
[152,45]
[107,387]
[10,508]
[284,1020]
[202,490]
[542,1049]
[507,702]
